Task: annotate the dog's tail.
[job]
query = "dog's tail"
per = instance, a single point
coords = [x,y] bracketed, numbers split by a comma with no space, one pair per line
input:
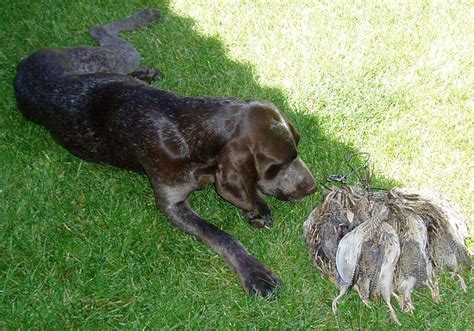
[106,35]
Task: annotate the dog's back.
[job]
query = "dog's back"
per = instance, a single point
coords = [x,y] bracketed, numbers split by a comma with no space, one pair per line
[102,116]
[63,89]
[52,91]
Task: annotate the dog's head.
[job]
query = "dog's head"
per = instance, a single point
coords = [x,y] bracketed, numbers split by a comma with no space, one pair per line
[263,156]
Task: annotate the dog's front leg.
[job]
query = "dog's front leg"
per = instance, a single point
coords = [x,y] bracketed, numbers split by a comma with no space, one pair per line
[254,276]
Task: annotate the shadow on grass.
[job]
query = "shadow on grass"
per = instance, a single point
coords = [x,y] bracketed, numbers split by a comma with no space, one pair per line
[191,64]
[198,65]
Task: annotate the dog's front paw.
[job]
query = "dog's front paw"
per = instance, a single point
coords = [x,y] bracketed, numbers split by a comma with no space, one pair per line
[257,279]
[258,221]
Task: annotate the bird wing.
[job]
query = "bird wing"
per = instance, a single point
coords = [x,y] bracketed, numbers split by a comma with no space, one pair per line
[348,254]
[444,219]
[391,247]
[376,270]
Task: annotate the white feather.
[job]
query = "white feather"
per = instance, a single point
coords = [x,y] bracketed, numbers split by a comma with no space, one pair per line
[348,253]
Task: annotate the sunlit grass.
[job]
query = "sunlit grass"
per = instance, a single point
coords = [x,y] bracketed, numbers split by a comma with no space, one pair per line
[394,79]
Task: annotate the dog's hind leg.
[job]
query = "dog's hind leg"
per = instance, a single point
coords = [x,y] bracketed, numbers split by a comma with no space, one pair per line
[125,58]
[146,74]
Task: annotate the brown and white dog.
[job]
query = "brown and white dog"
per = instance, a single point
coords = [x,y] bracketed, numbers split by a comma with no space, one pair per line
[90,99]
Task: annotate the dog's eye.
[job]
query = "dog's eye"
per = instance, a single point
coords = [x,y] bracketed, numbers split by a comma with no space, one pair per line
[273,170]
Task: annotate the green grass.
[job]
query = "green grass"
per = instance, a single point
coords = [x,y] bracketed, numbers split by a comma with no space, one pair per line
[81,245]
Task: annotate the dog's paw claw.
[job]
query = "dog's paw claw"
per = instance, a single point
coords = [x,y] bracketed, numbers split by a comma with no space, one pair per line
[261,281]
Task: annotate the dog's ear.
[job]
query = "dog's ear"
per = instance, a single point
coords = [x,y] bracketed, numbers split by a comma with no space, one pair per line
[296,135]
[236,175]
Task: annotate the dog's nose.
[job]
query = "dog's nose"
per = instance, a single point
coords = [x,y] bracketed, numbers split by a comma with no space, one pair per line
[312,188]
[306,188]
[307,183]
[309,187]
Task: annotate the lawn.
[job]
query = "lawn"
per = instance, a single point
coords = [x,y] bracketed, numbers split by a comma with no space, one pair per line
[82,246]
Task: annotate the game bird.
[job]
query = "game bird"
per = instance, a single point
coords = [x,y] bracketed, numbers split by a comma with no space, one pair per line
[386,243]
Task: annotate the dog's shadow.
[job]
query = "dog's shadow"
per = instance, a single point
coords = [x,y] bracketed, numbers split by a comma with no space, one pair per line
[191,64]
[197,65]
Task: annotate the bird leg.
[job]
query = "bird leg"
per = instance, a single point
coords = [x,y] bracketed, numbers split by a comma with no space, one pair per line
[405,301]
[336,299]
[393,315]
[434,288]
[408,305]
[365,299]
[366,303]
[399,298]
[461,280]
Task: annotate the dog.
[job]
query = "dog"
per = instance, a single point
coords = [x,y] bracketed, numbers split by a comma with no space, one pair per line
[97,103]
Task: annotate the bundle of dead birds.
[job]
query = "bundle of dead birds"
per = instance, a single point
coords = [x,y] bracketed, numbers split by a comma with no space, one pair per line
[386,243]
